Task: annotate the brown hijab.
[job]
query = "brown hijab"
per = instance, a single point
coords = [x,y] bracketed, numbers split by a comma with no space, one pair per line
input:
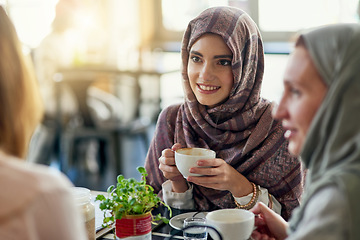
[240,130]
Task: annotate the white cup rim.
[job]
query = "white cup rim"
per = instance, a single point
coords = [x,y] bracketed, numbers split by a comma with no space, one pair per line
[248,215]
[180,150]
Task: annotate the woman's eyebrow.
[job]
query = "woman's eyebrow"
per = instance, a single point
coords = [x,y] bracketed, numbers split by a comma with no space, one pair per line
[196,53]
[215,57]
[223,56]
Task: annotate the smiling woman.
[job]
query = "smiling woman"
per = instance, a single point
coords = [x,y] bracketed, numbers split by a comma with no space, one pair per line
[322,83]
[303,94]
[222,69]
[210,73]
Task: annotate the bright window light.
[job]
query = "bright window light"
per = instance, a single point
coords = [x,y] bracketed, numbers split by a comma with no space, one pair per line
[32,19]
[177,14]
[294,15]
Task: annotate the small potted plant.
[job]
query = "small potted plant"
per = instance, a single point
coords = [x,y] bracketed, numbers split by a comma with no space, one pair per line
[129,206]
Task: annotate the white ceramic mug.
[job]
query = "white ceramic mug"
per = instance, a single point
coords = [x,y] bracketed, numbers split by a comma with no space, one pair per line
[186,158]
[233,224]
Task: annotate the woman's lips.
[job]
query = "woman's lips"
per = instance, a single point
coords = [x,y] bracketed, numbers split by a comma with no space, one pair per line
[207,89]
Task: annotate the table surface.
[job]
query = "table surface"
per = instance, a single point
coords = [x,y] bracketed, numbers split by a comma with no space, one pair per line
[161,231]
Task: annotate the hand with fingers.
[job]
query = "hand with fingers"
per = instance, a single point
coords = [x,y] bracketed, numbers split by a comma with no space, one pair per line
[170,171]
[221,176]
[269,225]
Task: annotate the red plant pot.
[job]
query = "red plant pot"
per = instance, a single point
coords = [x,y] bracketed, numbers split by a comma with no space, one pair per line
[133,225]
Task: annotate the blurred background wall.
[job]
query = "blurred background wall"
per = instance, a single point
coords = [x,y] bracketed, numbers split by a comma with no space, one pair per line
[129,52]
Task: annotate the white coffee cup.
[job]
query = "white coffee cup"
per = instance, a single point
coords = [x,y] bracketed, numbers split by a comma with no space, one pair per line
[233,224]
[186,158]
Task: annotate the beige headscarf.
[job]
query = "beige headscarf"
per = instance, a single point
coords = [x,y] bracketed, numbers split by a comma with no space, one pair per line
[332,148]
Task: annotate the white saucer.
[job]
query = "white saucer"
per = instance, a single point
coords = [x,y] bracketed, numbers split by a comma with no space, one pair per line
[178,221]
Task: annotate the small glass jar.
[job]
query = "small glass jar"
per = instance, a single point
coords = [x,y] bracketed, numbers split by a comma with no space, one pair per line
[87,209]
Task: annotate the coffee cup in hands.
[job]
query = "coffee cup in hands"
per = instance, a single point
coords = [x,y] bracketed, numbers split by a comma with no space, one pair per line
[233,224]
[186,158]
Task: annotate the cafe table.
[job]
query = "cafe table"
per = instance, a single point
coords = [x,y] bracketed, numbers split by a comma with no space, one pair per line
[160,231]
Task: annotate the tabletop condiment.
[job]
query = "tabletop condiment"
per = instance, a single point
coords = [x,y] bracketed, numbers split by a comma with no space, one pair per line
[87,209]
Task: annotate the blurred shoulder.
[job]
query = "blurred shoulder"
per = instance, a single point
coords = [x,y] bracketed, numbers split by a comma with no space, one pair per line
[29,174]
[23,182]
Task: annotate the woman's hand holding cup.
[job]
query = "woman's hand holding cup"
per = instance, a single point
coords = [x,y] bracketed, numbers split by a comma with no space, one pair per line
[217,174]
[169,169]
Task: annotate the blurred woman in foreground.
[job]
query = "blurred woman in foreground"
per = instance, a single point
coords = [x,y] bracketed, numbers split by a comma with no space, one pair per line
[34,202]
[320,110]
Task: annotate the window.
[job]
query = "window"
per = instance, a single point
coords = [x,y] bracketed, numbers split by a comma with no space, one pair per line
[175,15]
[278,20]
[32,19]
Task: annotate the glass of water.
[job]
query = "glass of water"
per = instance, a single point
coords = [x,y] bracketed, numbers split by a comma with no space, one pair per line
[198,231]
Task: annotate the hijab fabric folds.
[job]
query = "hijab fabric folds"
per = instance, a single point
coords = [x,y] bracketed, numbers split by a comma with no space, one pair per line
[332,146]
[241,129]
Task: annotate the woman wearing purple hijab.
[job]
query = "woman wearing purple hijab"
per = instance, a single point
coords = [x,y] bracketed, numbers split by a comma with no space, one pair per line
[222,70]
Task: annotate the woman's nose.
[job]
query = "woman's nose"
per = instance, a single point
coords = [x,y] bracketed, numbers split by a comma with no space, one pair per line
[206,72]
[279,111]
[274,111]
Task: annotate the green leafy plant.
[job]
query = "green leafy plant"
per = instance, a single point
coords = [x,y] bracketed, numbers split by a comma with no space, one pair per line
[130,197]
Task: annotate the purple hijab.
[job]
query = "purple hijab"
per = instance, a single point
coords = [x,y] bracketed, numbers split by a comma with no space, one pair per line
[240,130]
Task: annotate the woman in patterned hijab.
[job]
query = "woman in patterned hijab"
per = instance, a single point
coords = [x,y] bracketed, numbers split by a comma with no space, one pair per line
[323,82]
[252,162]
